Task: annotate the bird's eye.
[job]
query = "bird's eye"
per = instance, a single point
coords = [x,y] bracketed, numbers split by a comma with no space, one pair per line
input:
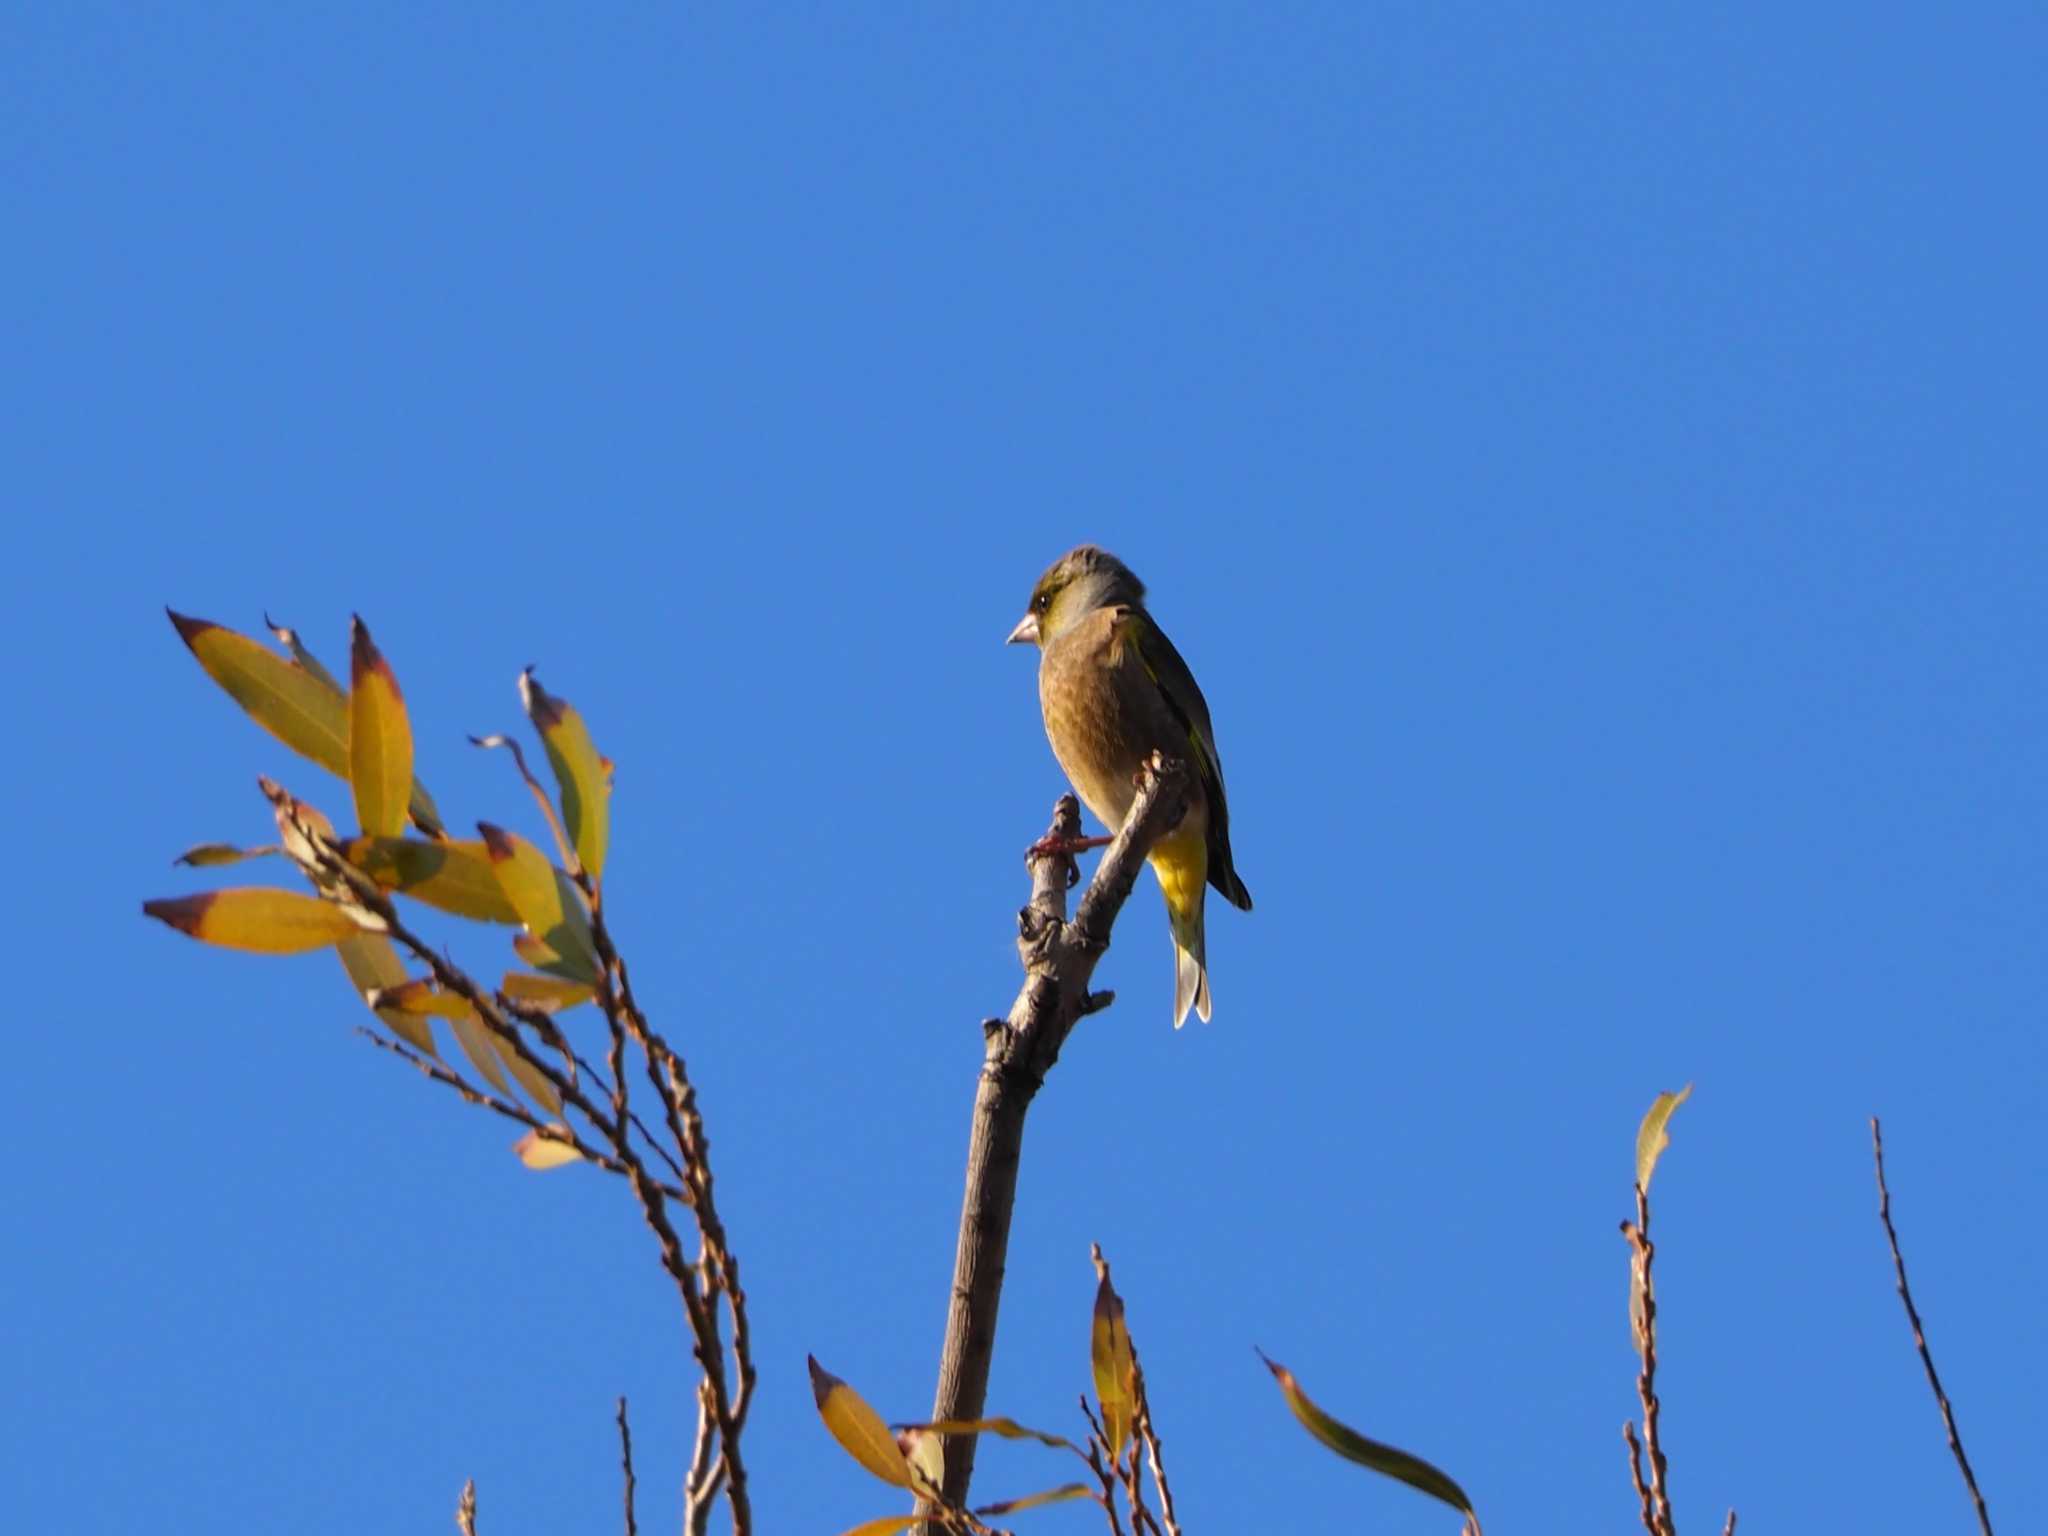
[1041,602]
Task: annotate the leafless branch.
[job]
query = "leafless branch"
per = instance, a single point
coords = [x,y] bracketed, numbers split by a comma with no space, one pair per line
[1635,1472]
[465,1509]
[1729,1528]
[626,1465]
[1948,1417]
[1643,1311]
[1059,958]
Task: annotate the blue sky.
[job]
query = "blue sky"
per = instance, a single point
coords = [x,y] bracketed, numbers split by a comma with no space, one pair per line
[1593,462]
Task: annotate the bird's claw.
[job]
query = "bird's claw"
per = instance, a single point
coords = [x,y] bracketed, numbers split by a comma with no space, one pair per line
[1053,846]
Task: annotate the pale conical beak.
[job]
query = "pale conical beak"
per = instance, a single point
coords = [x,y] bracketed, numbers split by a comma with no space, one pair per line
[1026,632]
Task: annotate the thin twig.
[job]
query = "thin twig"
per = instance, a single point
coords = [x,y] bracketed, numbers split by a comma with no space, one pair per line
[1643,1307]
[1098,1448]
[465,1509]
[1948,1417]
[1635,1472]
[1142,1422]
[1059,958]
[626,1464]
[1729,1528]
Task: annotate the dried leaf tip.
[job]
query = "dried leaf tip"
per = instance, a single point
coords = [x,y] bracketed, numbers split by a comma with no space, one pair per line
[364,657]
[189,629]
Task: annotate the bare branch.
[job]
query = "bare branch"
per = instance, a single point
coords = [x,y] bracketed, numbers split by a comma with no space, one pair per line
[465,1509]
[1643,1313]
[1059,958]
[1948,1417]
[626,1465]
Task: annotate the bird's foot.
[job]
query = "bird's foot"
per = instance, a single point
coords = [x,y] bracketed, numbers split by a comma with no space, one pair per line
[1047,847]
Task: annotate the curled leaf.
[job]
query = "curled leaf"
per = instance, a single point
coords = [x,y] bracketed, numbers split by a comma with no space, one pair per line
[584,776]
[1352,1446]
[379,738]
[858,1428]
[544,1152]
[257,919]
[1654,1135]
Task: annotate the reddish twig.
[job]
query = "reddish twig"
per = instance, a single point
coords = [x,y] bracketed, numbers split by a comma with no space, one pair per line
[1948,1417]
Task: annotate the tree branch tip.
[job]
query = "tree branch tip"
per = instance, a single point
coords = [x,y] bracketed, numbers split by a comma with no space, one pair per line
[1095,1002]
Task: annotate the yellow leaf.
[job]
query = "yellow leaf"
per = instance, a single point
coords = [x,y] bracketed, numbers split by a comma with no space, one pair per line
[585,777]
[546,900]
[888,1525]
[1057,1495]
[1109,1353]
[552,993]
[255,918]
[536,1084]
[544,1152]
[1653,1137]
[418,997]
[379,737]
[480,1046]
[858,1428]
[1009,1429]
[308,713]
[371,964]
[1352,1446]
[448,876]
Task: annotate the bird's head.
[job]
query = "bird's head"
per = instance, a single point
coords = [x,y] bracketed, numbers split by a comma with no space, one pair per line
[1074,586]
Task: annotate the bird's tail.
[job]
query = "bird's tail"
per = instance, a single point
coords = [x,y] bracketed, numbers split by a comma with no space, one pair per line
[1190,973]
[1181,863]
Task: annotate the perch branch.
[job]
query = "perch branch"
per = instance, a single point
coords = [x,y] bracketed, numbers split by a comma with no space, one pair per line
[1059,958]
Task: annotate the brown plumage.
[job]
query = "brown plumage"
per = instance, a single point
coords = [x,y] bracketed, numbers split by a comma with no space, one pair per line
[1114,690]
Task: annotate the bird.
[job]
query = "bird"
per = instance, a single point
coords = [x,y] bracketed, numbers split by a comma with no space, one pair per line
[1113,691]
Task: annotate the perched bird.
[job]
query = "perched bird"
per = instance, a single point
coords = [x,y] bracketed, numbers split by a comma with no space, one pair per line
[1114,690]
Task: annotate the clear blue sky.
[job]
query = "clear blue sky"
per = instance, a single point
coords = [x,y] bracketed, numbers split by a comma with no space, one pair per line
[1592,460]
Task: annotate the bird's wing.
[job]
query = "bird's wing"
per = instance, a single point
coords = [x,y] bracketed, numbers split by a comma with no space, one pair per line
[1183,699]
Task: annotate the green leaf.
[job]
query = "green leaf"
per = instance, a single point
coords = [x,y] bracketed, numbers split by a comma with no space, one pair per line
[1109,1353]
[584,776]
[379,738]
[546,900]
[1654,1137]
[257,919]
[858,1428]
[1352,1446]
[372,963]
[208,855]
[307,713]
[449,876]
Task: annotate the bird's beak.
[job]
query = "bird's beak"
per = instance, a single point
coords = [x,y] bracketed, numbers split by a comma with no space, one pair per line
[1026,632]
